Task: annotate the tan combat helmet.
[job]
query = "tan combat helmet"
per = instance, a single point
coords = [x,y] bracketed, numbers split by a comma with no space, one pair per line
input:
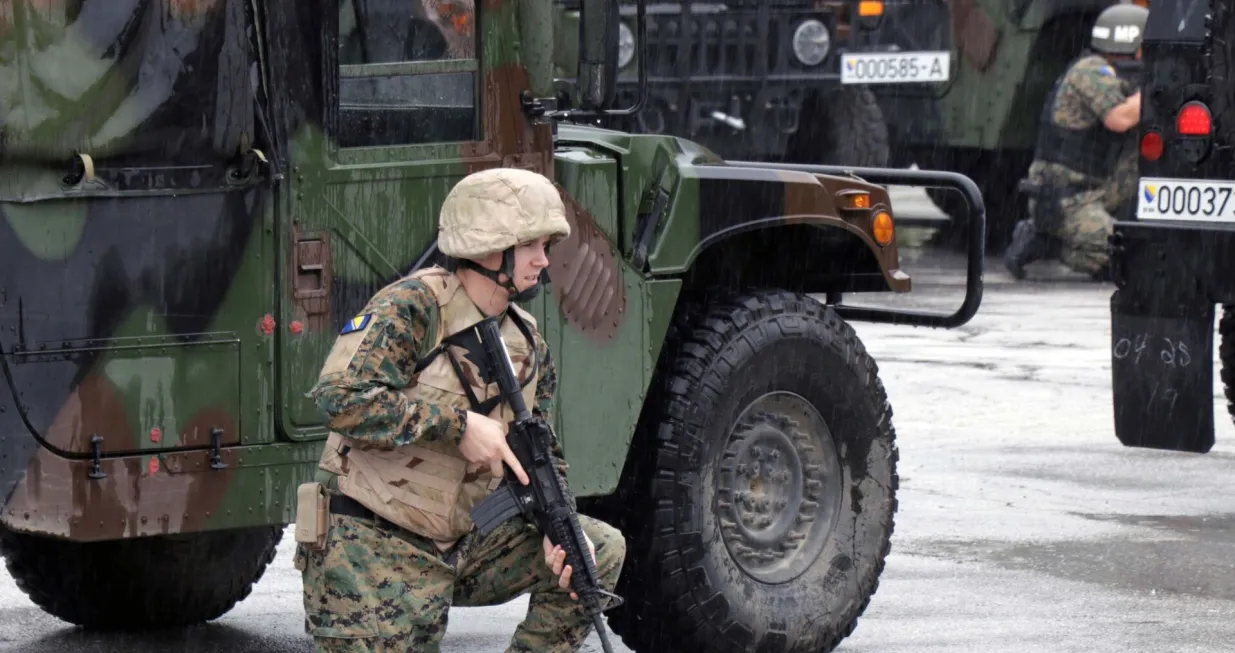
[1119,29]
[496,210]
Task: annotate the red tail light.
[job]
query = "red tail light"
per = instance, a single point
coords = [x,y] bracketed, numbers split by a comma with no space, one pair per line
[1151,146]
[1194,120]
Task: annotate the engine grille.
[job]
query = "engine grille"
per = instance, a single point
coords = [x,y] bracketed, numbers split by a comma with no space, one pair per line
[745,40]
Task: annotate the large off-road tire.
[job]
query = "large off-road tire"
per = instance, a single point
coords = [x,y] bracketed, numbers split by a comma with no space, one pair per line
[842,127]
[140,583]
[760,503]
[1226,355]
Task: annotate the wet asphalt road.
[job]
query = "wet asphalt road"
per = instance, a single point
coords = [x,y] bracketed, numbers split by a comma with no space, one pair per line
[1023,525]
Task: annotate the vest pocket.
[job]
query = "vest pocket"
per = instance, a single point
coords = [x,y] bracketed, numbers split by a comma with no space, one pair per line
[413,486]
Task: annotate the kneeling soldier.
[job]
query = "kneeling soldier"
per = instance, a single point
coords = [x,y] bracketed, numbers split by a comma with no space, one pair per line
[418,438]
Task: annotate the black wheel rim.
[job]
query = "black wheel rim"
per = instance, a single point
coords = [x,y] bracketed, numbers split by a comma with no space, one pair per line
[778,489]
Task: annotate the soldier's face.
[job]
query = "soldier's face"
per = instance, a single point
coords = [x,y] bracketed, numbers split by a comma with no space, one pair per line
[530,259]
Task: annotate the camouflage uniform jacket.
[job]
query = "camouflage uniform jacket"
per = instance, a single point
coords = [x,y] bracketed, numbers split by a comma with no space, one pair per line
[1089,90]
[395,433]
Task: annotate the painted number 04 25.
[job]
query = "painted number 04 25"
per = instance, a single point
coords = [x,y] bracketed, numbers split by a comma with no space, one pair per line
[1171,354]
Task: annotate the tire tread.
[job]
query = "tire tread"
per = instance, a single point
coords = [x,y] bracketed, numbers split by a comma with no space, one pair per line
[140,583]
[667,575]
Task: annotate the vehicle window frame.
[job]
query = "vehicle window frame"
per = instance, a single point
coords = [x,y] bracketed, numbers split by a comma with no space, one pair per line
[336,74]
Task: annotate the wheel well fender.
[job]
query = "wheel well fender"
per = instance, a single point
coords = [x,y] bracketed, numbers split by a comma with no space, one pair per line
[809,256]
[738,225]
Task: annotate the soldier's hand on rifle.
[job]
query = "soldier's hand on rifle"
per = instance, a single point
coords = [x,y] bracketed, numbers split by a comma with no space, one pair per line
[484,444]
[555,558]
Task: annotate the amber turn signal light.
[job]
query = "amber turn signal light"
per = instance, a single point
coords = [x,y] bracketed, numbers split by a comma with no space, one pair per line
[855,201]
[869,8]
[881,227]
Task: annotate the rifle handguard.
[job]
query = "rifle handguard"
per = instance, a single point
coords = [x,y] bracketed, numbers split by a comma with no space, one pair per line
[546,500]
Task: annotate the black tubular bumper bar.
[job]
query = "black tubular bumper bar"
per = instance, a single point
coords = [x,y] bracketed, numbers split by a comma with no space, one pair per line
[920,178]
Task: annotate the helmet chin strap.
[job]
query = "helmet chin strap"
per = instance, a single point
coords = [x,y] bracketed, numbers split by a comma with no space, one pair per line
[507,268]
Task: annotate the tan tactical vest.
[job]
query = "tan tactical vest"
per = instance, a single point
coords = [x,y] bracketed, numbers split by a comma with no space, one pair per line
[425,488]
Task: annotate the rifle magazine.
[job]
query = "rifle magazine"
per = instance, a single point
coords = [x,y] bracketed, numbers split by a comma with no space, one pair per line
[496,509]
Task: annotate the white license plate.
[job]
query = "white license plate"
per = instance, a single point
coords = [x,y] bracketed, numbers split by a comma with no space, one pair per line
[895,67]
[1185,199]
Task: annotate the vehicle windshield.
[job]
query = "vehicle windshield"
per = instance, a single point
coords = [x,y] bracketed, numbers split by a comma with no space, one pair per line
[130,82]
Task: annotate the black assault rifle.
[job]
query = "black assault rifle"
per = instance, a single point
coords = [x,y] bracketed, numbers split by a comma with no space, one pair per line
[545,501]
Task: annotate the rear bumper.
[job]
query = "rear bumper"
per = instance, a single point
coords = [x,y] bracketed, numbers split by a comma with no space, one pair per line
[1193,262]
[1169,279]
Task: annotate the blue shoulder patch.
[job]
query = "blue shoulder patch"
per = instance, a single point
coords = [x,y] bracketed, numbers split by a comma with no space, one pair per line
[357,323]
[1107,71]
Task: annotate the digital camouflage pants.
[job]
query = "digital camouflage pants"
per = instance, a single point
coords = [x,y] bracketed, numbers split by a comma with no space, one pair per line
[1083,230]
[381,589]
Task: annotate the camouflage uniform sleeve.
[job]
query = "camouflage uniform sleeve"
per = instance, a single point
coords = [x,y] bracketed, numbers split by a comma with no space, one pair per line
[1099,87]
[546,390]
[359,388]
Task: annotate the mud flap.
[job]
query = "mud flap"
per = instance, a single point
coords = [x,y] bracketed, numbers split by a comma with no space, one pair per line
[1162,373]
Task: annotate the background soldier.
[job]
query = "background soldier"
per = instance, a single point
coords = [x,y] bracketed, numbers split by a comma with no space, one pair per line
[417,441]
[1085,164]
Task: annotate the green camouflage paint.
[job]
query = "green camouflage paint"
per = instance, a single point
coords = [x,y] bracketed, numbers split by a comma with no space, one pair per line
[365,215]
[168,296]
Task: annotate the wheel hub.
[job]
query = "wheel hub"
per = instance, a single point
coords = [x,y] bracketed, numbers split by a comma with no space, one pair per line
[778,490]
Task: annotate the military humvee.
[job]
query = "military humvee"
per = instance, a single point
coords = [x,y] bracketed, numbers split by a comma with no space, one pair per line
[196,195]
[984,122]
[780,80]
[1172,261]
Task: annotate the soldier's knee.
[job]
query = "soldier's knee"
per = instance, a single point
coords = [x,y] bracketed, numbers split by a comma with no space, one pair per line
[1094,217]
[1094,227]
[610,548]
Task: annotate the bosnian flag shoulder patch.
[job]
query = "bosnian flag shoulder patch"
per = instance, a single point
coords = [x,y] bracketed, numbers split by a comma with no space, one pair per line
[357,323]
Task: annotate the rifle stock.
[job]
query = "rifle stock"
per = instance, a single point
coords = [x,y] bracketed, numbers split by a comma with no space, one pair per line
[545,501]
